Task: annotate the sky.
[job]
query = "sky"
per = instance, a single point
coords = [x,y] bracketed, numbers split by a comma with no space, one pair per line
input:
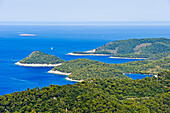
[84,10]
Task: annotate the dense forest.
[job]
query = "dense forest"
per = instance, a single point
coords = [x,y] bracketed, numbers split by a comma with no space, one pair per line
[38,57]
[152,48]
[144,66]
[147,95]
[82,69]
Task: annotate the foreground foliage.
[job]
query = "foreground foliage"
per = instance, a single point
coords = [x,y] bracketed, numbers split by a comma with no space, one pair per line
[147,95]
[82,69]
[38,57]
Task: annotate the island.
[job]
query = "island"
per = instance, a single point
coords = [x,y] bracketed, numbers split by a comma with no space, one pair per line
[146,48]
[27,35]
[40,59]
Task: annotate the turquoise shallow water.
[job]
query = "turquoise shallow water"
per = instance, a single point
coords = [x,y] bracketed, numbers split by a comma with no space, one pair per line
[63,39]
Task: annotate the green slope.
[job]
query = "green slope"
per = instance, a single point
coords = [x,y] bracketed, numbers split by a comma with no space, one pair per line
[140,48]
[82,69]
[152,48]
[38,57]
[94,96]
[145,66]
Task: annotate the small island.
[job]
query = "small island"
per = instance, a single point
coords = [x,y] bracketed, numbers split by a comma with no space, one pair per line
[27,35]
[40,59]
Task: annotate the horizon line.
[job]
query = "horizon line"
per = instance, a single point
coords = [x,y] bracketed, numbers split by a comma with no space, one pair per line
[165,23]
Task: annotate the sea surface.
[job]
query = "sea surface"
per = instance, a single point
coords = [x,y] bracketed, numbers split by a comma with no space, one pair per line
[63,39]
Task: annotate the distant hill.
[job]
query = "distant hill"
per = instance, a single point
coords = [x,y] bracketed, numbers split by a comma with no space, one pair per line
[38,57]
[140,48]
[151,48]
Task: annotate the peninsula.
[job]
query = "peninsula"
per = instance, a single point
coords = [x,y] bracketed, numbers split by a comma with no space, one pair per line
[86,54]
[40,59]
[83,69]
[147,48]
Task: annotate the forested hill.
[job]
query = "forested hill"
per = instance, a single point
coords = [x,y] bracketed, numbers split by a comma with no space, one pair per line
[82,69]
[153,48]
[149,95]
[38,57]
[145,66]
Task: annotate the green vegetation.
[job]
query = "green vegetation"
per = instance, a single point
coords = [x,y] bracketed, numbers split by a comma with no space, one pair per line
[147,95]
[152,48]
[102,52]
[106,88]
[159,56]
[82,69]
[144,66]
[79,52]
[38,57]
[140,48]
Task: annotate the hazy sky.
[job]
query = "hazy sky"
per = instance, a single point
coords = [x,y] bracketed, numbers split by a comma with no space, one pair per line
[84,10]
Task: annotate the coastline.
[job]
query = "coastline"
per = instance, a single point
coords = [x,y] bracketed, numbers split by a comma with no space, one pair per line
[58,72]
[73,80]
[138,73]
[126,58]
[142,74]
[66,74]
[87,54]
[37,65]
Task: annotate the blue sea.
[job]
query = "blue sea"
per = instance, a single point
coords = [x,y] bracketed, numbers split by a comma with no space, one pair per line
[63,39]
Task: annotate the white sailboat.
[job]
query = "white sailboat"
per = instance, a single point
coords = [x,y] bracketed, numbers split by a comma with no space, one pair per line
[51,48]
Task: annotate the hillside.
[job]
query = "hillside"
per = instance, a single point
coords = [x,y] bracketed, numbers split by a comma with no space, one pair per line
[145,66]
[82,69]
[140,48]
[38,57]
[94,95]
[153,48]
